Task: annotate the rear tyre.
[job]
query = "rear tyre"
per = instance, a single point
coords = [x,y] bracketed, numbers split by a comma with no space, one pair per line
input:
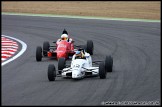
[102,72]
[89,47]
[46,46]
[61,64]
[51,72]
[39,53]
[108,63]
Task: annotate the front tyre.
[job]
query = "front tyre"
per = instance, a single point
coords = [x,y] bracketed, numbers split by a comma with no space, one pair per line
[51,72]
[102,72]
[39,53]
[90,47]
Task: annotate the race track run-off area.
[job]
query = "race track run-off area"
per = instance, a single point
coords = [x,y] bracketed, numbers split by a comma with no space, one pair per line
[134,46]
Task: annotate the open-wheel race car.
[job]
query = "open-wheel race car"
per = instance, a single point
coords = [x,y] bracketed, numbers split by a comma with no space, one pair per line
[61,49]
[80,68]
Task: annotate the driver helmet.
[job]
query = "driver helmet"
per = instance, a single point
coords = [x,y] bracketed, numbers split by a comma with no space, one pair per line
[81,49]
[64,36]
[78,53]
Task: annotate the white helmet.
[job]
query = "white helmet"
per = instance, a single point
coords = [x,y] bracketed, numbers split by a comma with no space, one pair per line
[64,36]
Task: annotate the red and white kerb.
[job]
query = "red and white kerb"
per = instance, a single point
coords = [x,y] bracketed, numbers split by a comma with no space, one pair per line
[8,48]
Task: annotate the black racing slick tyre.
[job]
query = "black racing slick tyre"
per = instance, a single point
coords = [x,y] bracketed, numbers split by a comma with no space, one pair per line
[90,47]
[39,53]
[61,64]
[102,72]
[108,64]
[51,72]
[46,46]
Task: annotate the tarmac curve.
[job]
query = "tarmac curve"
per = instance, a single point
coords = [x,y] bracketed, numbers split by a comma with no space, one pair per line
[134,46]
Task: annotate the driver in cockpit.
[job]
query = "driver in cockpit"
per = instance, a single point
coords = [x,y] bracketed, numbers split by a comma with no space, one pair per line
[80,54]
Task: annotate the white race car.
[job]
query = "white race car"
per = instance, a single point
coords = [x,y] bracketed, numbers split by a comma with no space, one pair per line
[81,68]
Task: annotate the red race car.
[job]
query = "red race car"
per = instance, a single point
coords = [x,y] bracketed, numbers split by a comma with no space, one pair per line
[64,48]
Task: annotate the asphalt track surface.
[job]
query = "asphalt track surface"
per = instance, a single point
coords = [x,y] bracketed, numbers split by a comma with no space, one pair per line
[135,47]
